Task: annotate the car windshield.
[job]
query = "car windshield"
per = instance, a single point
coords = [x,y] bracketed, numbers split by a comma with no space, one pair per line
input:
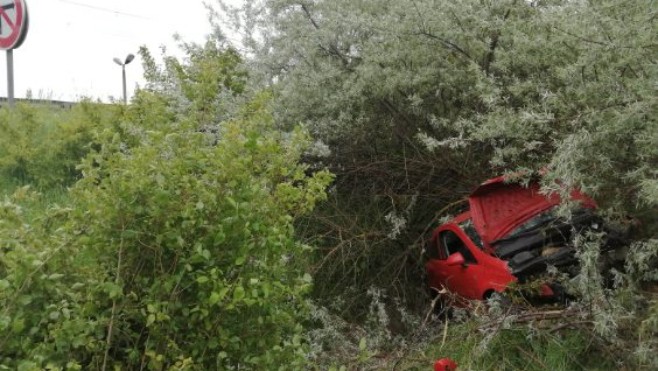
[541,219]
[469,229]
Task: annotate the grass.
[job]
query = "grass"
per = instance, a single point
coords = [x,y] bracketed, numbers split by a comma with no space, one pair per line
[516,348]
[40,146]
[35,206]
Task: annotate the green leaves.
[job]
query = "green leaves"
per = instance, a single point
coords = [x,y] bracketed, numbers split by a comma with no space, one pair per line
[171,243]
[207,85]
[217,296]
[42,145]
[203,252]
[238,294]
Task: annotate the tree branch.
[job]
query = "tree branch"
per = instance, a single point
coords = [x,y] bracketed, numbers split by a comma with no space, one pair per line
[110,328]
[310,18]
[333,50]
[581,38]
[448,44]
[489,57]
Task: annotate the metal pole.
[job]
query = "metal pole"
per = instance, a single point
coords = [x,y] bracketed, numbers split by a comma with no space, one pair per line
[125,98]
[10,77]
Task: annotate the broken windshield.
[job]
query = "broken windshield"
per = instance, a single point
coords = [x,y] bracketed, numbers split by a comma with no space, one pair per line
[539,220]
[468,227]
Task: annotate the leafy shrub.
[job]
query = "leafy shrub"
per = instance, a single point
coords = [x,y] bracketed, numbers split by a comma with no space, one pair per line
[42,145]
[176,253]
[46,290]
[198,231]
[176,249]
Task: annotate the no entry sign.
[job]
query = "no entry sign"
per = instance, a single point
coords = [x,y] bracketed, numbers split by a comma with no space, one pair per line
[13,23]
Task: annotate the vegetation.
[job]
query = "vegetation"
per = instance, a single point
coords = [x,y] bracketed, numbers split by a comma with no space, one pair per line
[175,249]
[42,145]
[267,209]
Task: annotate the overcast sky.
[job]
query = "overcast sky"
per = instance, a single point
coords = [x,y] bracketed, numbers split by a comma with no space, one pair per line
[70,44]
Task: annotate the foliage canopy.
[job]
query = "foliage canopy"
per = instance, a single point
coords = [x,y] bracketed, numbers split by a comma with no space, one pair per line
[176,250]
[184,241]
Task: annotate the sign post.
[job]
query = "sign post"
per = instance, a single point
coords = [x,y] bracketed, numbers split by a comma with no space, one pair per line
[14,23]
[10,77]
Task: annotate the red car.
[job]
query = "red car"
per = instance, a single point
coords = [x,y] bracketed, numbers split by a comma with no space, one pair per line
[510,233]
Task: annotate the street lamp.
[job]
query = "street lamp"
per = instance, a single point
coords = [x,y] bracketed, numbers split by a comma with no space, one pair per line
[123,64]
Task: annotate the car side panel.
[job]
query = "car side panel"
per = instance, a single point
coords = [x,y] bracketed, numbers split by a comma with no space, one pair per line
[471,281]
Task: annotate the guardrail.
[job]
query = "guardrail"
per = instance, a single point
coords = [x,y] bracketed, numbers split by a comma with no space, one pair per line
[59,103]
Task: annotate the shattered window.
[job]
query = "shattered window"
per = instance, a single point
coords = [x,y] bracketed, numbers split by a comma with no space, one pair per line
[468,227]
[454,244]
[539,220]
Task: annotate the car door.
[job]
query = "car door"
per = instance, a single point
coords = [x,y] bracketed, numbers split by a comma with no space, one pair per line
[463,279]
[470,276]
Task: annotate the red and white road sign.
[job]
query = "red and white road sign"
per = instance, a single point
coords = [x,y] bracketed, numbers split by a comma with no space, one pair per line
[13,23]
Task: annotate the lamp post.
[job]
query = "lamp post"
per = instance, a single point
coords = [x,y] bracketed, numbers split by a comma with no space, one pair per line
[123,64]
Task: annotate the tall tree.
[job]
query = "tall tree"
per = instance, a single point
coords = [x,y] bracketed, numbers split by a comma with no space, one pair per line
[427,97]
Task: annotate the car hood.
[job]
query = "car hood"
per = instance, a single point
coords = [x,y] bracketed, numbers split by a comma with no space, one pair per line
[498,207]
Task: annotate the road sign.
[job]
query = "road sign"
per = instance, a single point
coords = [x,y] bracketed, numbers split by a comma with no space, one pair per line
[13,23]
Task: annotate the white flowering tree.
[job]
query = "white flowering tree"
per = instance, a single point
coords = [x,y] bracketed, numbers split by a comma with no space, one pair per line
[420,100]
[569,84]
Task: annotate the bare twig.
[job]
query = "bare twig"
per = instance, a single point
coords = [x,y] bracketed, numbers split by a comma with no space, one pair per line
[110,328]
[489,57]
[310,18]
[533,357]
[581,38]
[449,44]
[568,325]
[532,316]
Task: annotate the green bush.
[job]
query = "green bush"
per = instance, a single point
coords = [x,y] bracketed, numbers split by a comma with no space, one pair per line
[175,254]
[42,145]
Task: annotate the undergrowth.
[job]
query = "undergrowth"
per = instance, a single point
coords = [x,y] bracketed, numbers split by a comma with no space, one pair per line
[484,336]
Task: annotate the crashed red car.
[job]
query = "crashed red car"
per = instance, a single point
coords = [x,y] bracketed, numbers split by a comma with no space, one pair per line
[510,233]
